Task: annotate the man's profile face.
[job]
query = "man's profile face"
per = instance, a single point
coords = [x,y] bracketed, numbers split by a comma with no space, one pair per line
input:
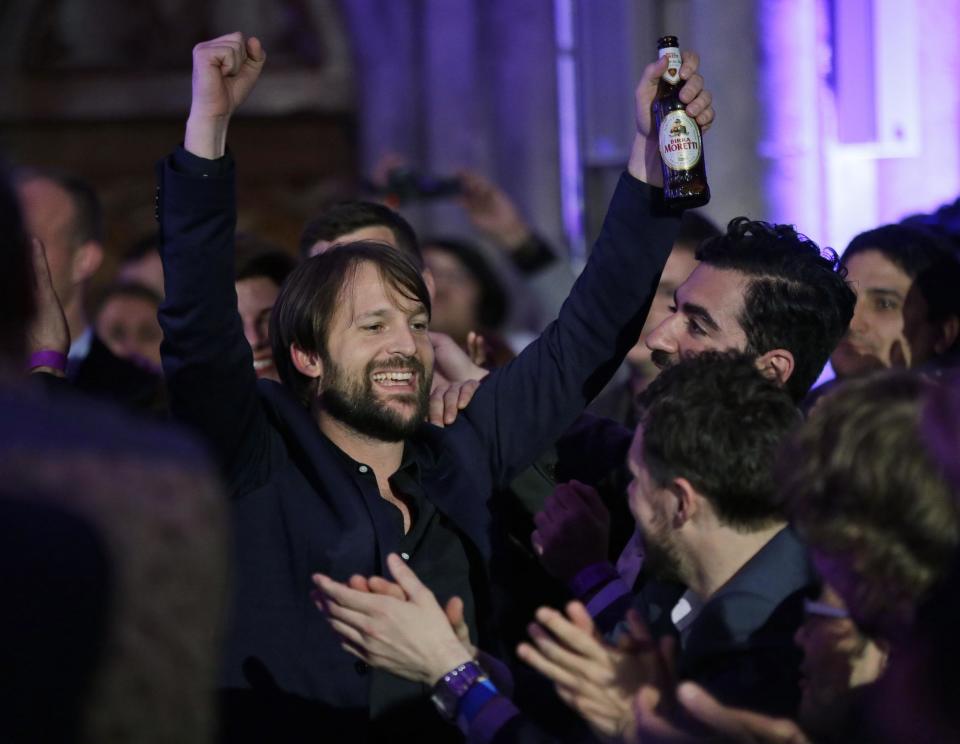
[456,299]
[679,266]
[374,233]
[648,504]
[379,365]
[705,316]
[880,335]
[49,213]
[255,299]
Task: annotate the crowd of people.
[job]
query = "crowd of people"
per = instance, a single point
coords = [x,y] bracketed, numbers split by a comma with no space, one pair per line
[253,497]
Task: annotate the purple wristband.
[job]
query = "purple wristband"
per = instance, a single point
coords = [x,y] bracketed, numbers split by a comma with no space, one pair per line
[592,577]
[48,358]
[607,596]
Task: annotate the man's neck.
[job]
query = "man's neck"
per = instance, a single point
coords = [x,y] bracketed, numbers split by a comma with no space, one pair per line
[720,553]
[383,457]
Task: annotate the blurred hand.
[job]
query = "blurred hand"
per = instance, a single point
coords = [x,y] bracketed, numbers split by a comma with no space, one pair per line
[596,679]
[49,329]
[452,362]
[477,349]
[573,530]
[455,380]
[447,402]
[733,724]
[492,211]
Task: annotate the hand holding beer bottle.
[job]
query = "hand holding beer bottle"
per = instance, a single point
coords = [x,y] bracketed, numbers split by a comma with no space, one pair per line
[692,100]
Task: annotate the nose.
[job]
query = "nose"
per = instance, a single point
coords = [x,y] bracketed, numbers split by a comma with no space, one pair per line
[859,322]
[402,341]
[254,334]
[662,337]
[800,637]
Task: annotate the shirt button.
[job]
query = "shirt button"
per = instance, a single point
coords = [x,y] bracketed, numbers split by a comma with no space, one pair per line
[405,556]
[363,468]
[361,667]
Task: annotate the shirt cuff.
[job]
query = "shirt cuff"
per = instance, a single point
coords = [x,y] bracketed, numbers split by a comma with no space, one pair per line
[193,165]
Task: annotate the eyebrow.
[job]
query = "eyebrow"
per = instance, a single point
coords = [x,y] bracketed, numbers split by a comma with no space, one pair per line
[698,311]
[884,292]
[382,312]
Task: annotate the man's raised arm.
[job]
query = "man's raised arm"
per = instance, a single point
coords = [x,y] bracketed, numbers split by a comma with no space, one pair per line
[524,407]
[207,361]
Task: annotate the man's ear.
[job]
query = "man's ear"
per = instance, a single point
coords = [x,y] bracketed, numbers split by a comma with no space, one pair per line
[949,330]
[431,283]
[86,260]
[686,501]
[777,364]
[307,363]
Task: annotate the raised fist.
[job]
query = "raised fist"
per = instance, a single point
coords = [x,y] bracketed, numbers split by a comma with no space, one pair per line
[225,70]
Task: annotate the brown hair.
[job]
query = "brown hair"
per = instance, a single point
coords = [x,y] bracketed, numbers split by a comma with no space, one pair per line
[860,485]
[310,295]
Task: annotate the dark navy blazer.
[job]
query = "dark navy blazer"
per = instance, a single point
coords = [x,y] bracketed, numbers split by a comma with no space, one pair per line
[296,508]
[740,647]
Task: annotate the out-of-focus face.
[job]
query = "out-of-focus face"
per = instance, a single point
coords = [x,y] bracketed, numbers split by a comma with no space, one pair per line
[648,504]
[377,376]
[147,270]
[837,658]
[876,336]
[704,317]
[49,213]
[679,266]
[255,299]
[128,326]
[376,233]
[456,297]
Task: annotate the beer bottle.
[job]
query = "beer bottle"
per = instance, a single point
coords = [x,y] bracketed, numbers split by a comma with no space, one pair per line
[681,150]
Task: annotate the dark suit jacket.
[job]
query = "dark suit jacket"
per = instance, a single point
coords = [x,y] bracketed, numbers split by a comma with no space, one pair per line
[104,375]
[296,508]
[740,647]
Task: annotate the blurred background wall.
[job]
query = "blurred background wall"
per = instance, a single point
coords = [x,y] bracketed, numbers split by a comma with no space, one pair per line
[836,115]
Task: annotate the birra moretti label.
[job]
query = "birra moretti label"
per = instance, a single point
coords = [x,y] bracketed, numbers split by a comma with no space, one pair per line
[672,73]
[679,141]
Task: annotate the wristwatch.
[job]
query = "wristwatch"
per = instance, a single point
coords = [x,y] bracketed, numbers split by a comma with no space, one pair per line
[450,689]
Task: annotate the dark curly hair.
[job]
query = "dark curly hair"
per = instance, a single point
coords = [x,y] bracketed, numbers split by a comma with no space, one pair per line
[859,484]
[797,298]
[715,420]
[921,254]
[341,218]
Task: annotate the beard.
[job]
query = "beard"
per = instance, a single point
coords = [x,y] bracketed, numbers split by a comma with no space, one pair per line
[354,402]
[662,559]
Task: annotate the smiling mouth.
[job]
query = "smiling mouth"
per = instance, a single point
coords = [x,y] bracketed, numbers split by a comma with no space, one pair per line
[262,364]
[393,379]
